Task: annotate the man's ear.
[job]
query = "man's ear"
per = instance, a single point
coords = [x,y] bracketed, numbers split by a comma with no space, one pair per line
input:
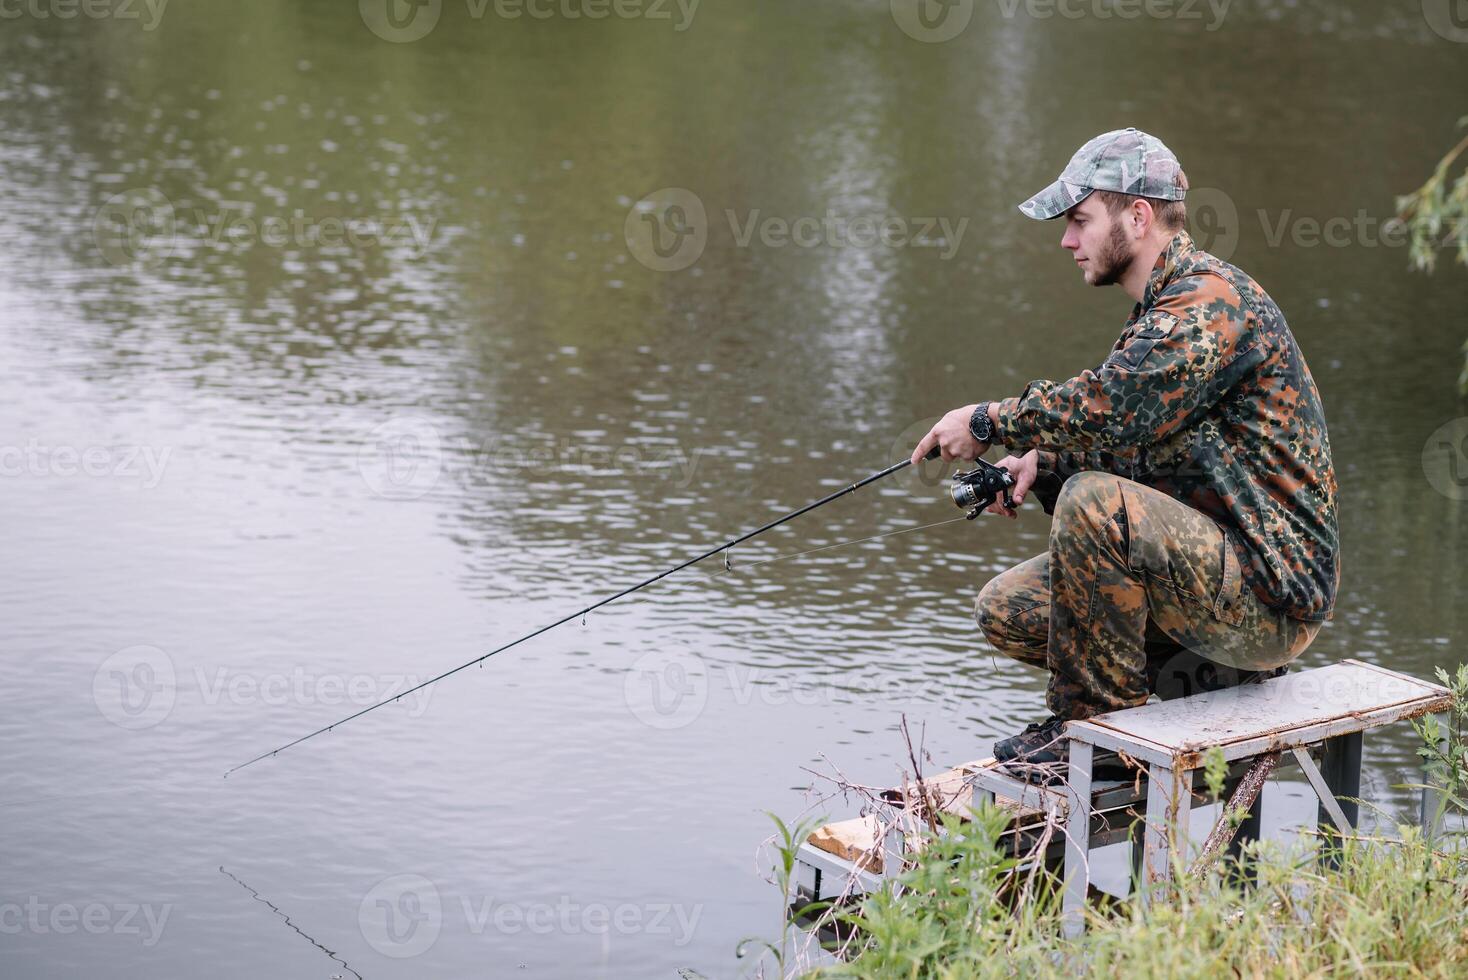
[1141,218]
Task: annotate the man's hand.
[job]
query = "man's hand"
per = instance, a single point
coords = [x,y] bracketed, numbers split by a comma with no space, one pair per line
[951,434]
[1023,469]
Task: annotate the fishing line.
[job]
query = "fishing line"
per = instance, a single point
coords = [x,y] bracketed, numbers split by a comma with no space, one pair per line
[880,474]
[843,544]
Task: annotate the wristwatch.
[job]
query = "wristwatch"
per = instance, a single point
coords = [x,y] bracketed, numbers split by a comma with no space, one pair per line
[979,425]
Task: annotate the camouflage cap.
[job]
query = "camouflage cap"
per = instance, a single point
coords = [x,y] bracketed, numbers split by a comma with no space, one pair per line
[1125,160]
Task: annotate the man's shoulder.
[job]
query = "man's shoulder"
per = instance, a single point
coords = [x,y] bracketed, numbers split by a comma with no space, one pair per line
[1203,277]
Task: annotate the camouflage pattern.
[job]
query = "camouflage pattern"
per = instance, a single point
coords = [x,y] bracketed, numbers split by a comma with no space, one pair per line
[1133,579]
[1124,160]
[1206,398]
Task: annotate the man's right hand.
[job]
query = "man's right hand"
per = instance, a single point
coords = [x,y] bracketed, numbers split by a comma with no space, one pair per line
[1023,469]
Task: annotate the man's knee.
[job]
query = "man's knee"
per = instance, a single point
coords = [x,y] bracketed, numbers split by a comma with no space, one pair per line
[987,614]
[1011,626]
[1088,492]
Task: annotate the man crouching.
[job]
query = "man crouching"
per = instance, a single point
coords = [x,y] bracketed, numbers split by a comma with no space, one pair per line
[1189,476]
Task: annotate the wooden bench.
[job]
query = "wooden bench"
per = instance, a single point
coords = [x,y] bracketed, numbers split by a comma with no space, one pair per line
[1256,728]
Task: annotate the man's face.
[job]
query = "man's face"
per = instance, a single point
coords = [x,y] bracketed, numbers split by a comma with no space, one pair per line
[1098,242]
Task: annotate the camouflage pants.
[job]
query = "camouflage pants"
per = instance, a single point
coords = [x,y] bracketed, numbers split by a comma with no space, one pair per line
[1133,579]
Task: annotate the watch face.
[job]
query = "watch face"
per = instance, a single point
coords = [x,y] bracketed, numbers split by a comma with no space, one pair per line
[979,425]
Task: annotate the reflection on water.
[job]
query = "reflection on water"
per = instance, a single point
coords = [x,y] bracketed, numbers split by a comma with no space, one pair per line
[327,367]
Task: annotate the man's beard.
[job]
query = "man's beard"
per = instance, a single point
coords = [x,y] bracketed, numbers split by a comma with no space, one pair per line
[1114,260]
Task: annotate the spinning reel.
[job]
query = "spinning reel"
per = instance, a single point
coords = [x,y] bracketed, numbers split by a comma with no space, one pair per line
[975,490]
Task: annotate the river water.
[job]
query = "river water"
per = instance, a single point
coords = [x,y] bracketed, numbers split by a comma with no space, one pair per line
[333,356]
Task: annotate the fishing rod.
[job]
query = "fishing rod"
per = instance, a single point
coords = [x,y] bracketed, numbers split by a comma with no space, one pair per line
[974,491]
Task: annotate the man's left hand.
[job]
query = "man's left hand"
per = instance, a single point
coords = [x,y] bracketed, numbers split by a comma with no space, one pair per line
[952,435]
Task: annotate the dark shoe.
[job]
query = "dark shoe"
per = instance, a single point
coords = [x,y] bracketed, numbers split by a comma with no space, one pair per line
[1041,754]
[1040,743]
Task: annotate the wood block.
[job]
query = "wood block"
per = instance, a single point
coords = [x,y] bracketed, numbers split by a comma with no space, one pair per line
[858,841]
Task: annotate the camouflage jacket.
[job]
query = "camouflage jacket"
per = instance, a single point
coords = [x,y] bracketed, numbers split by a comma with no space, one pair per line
[1207,398]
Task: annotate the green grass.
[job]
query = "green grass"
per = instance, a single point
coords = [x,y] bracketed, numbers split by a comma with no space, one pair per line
[1395,907]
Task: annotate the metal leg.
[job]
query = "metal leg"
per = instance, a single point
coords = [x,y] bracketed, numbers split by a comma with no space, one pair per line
[1432,779]
[1340,766]
[1169,805]
[1077,839]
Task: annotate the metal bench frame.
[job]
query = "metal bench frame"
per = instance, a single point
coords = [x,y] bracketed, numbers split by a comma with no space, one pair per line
[1356,697]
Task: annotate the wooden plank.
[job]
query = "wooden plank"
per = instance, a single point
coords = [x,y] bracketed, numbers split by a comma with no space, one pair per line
[1243,801]
[949,789]
[858,841]
[1332,700]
